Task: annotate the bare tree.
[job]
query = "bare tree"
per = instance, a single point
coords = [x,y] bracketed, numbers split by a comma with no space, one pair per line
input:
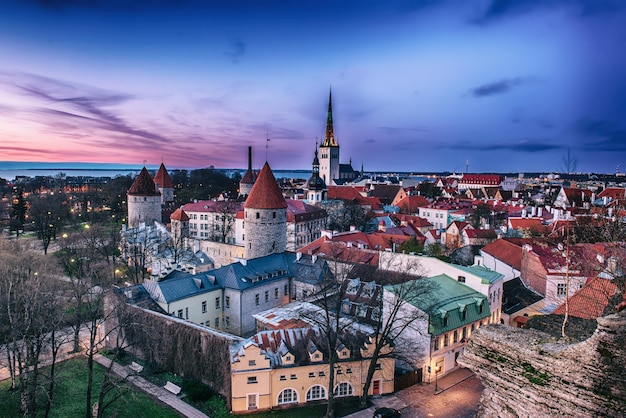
[31,307]
[48,212]
[224,222]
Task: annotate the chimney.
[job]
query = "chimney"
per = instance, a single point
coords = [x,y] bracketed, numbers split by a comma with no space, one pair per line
[249,158]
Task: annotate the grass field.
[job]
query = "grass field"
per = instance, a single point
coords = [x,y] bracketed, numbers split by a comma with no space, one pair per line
[69,396]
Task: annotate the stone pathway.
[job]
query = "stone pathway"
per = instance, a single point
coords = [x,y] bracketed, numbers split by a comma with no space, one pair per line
[151,389]
[407,400]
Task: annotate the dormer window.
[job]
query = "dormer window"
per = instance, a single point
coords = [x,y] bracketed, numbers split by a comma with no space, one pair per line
[445,320]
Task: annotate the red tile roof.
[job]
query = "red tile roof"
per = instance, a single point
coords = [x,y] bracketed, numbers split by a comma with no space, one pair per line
[162,178]
[248,177]
[179,215]
[143,185]
[590,301]
[533,224]
[480,233]
[411,203]
[265,193]
[613,193]
[324,247]
[493,179]
[352,195]
[506,251]
[297,210]
[213,206]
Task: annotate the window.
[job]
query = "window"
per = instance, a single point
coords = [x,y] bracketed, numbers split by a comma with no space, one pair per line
[274,215]
[186,313]
[436,344]
[267,296]
[227,322]
[258,215]
[204,306]
[256,299]
[348,371]
[251,362]
[311,375]
[217,323]
[180,313]
[445,321]
[276,293]
[461,279]
[227,301]
[293,376]
[288,358]
[339,371]
[316,392]
[343,389]
[283,377]
[378,366]
[285,290]
[321,374]
[316,356]
[252,379]
[463,314]
[287,396]
[455,336]
[480,308]
[464,333]
[560,289]
[217,302]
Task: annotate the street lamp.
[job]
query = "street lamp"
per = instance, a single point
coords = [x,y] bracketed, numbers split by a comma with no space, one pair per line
[437,370]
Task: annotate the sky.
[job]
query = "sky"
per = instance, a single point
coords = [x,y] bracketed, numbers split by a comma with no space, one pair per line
[417,85]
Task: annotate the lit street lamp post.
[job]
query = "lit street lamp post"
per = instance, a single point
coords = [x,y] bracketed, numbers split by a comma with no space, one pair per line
[437,370]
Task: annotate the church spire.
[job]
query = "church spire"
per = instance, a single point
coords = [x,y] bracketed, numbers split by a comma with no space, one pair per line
[329,139]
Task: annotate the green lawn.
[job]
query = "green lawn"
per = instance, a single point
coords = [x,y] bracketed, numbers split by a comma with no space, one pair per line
[69,396]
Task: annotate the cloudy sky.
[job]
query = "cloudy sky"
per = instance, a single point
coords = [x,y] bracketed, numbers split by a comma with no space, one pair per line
[418,85]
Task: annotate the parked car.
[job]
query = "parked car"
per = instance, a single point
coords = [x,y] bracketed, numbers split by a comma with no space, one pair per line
[386,413]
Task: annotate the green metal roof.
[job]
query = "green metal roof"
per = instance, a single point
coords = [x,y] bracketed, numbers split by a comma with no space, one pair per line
[487,276]
[446,305]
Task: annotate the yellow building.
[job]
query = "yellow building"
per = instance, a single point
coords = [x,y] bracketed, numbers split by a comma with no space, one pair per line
[289,367]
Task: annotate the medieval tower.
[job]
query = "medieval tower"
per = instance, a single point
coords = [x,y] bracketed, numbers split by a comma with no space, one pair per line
[329,149]
[144,200]
[164,185]
[247,181]
[265,217]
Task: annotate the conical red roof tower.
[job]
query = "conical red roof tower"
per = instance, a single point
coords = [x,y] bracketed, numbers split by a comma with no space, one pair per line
[162,178]
[265,193]
[143,185]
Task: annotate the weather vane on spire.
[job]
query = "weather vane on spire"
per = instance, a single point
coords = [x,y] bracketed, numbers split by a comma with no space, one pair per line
[267,144]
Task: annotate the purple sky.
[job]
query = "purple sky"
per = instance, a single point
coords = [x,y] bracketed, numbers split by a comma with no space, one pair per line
[421,85]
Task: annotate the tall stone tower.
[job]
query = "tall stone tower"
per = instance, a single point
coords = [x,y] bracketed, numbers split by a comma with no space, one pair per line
[144,200]
[265,217]
[247,181]
[164,185]
[329,149]
[316,187]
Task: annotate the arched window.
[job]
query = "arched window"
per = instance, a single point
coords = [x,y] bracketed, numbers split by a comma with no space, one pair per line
[287,396]
[316,392]
[343,389]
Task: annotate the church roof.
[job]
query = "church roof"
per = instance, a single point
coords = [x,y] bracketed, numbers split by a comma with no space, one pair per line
[143,185]
[162,178]
[265,193]
[329,137]
[179,215]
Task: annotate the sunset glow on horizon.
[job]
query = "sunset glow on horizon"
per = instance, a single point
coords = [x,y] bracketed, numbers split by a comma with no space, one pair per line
[417,85]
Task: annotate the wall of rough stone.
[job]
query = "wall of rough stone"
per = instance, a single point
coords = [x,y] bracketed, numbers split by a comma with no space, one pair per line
[528,373]
[265,235]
